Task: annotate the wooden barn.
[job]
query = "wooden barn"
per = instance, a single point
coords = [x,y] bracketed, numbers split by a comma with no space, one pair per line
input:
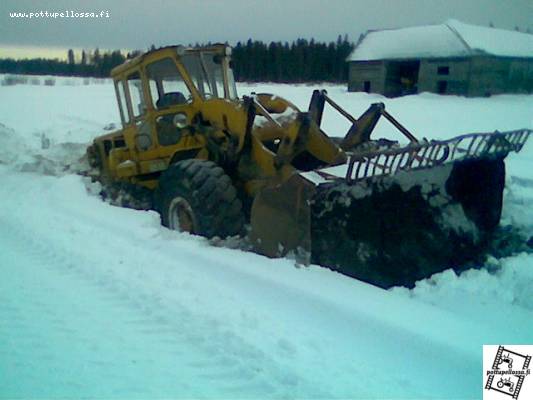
[451,58]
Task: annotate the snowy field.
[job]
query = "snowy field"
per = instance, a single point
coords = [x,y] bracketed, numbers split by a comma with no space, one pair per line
[98,301]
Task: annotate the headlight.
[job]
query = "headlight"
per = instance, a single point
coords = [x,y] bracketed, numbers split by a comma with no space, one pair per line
[180,120]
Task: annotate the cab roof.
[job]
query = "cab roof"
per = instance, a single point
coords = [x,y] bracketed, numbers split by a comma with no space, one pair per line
[162,51]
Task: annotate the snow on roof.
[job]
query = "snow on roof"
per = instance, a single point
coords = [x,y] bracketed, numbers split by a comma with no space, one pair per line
[451,39]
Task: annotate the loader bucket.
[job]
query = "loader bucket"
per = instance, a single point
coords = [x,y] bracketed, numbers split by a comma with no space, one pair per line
[403,214]
[397,230]
[395,215]
[281,219]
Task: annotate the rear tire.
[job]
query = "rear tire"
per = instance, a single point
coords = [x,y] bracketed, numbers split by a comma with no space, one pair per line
[198,197]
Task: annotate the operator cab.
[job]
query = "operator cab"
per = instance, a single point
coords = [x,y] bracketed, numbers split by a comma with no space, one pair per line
[158,89]
[176,76]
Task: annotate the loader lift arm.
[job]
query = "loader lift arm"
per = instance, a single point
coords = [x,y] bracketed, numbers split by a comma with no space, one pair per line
[361,128]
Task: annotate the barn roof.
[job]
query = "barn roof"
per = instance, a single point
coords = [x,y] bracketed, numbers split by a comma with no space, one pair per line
[451,39]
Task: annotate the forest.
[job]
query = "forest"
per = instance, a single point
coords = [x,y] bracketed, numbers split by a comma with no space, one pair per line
[253,61]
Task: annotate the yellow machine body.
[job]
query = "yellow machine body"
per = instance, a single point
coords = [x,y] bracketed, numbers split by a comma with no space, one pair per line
[178,104]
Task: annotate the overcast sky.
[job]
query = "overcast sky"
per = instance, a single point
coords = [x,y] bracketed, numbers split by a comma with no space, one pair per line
[136,24]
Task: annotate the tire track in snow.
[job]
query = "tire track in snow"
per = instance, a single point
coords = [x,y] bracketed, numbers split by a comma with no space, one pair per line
[198,349]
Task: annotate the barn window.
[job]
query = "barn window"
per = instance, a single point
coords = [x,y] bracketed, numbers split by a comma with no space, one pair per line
[441,87]
[366,86]
[443,70]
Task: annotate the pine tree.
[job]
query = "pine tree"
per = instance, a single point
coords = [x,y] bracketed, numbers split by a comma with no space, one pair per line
[71,62]
[70,57]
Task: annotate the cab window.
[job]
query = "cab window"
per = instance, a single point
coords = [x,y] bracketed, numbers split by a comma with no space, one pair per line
[167,87]
[213,65]
[121,97]
[138,103]
[206,69]
[198,75]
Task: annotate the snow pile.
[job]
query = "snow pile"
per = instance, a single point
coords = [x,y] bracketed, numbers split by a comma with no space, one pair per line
[40,155]
[99,301]
[451,39]
[12,146]
[503,286]
[46,129]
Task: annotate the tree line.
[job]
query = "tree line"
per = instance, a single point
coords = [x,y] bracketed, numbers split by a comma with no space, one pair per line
[96,64]
[300,61]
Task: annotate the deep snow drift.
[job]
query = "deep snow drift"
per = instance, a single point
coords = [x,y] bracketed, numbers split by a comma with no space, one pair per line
[100,301]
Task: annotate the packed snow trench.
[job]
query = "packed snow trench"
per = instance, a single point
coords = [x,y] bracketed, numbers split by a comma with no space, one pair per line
[98,301]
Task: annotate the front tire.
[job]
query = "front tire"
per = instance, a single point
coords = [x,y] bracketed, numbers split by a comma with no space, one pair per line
[197,196]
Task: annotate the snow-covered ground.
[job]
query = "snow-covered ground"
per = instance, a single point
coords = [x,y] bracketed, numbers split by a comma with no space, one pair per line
[98,301]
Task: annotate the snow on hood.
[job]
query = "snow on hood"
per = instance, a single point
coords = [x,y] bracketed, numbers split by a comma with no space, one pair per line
[451,39]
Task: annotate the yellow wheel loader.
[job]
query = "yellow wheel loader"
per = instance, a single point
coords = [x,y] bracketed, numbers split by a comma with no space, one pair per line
[214,163]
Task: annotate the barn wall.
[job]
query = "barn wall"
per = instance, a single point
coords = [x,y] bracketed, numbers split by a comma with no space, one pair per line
[370,72]
[521,76]
[495,75]
[489,76]
[475,76]
[445,75]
